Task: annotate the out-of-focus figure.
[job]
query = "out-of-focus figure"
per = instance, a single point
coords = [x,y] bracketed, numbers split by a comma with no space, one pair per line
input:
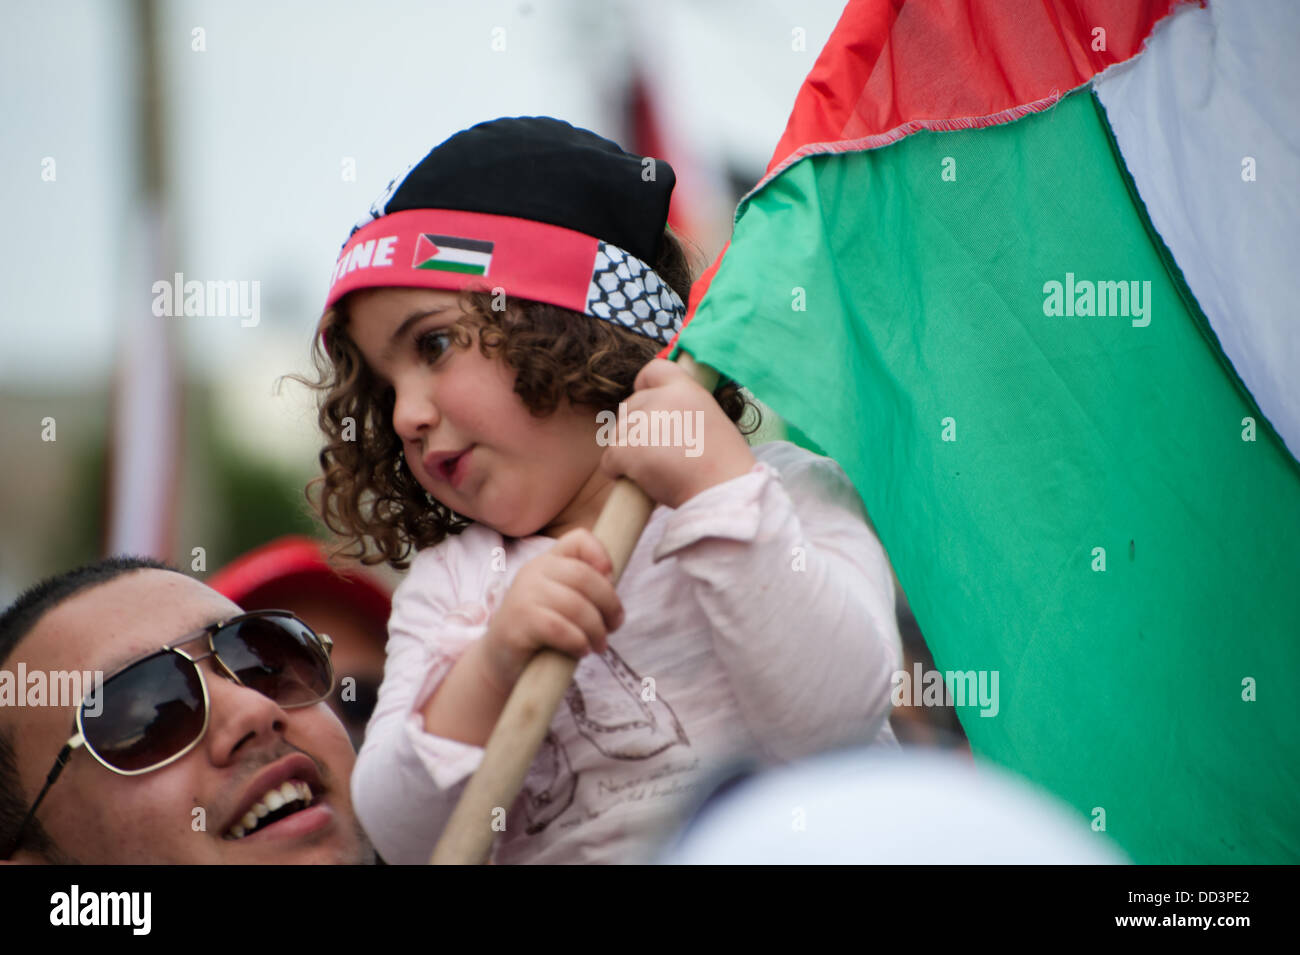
[871,807]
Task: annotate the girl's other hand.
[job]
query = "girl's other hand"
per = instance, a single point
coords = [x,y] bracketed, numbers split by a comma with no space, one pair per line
[705,451]
[563,599]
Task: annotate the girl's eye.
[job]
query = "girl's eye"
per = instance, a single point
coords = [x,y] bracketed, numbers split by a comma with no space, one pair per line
[432,344]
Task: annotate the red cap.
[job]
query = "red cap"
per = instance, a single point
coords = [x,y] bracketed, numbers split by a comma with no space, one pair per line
[300,560]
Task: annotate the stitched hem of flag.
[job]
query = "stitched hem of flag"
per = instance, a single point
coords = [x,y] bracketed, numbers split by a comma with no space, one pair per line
[902,131]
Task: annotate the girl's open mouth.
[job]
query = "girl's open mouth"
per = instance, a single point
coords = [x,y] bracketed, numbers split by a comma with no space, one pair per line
[454,469]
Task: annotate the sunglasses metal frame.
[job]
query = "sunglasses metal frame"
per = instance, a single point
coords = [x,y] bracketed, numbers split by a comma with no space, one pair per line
[78,739]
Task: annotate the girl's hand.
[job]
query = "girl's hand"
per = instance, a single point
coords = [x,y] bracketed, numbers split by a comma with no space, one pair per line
[563,599]
[709,449]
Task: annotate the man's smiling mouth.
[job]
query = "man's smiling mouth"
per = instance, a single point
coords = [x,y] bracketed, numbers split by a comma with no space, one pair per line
[278,802]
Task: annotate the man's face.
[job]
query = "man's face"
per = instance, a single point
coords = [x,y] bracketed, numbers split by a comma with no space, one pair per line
[97,816]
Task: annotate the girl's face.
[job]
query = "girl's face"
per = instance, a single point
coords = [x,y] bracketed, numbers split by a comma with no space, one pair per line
[523,475]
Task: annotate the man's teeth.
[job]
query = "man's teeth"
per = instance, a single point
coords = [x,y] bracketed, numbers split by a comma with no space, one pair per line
[274,799]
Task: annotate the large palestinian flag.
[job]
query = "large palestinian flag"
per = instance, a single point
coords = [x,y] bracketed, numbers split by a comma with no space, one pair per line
[1026,270]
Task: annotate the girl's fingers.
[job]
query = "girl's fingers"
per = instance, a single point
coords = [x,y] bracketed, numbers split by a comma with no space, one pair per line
[595,588]
[583,545]
[574,605]
[562,634]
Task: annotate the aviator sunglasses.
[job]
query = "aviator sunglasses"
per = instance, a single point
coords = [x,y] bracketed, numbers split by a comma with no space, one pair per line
[151,712]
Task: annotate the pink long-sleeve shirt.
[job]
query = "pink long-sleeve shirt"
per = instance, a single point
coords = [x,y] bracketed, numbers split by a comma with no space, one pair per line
[759,623]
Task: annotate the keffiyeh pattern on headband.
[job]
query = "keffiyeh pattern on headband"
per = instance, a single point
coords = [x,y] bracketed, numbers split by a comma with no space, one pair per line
[627,291]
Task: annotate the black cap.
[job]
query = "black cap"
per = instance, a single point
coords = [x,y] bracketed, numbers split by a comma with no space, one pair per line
[544,169]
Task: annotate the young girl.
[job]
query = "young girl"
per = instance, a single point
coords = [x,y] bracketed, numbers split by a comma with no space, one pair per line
[504,297]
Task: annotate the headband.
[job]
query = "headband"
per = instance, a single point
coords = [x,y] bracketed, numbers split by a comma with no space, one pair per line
[452,249]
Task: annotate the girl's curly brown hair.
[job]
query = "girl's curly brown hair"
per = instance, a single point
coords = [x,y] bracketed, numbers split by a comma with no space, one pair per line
[366,494]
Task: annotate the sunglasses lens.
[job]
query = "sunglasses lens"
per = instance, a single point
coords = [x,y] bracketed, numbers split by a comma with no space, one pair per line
[147,713]
[277,656]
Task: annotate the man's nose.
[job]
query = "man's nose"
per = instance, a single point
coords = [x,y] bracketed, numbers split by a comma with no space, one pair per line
[238,714]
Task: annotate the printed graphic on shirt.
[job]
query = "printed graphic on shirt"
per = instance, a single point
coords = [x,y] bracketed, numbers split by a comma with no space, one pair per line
[611,712]
[551,785]
[645,729]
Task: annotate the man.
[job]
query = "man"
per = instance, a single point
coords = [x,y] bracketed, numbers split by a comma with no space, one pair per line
[265,779]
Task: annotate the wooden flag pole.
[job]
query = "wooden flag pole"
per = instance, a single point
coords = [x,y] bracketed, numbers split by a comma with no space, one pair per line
[528,712]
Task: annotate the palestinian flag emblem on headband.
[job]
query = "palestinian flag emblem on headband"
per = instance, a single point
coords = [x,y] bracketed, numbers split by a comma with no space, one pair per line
[449,253]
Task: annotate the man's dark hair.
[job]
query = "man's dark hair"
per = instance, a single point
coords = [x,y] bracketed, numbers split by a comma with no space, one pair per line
[16,622]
